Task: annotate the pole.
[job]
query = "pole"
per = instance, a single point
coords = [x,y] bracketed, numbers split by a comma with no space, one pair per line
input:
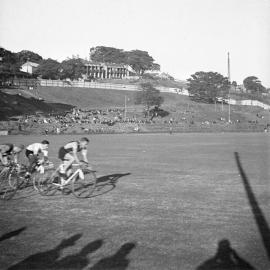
[125,107]
[229,78]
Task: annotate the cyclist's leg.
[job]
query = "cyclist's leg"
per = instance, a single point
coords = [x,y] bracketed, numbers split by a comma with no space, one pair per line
[33,159]
[67,162]
[5,160]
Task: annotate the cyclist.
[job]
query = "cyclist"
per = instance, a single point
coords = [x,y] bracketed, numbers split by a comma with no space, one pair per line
[32,153]
[68,155]
[7,150]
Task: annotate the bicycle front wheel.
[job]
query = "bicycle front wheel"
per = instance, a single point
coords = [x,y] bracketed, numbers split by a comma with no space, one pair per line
[8,184]
[83,188]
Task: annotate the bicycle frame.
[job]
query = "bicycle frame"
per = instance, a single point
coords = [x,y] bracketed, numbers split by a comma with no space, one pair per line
[65,182]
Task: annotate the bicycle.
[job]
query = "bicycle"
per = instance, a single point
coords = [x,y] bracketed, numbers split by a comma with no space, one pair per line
[14,177]
[8,181]
[41,171]
[83,182]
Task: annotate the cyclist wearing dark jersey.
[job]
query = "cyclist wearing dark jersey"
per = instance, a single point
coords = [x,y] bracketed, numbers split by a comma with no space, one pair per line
[68,154]
[9,149]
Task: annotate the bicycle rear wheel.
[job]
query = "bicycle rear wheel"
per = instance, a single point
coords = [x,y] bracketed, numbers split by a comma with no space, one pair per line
[8,184]
[83,188]
[44,183]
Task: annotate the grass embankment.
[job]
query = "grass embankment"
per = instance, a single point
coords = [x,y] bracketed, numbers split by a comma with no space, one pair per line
[188,115]
[11,105]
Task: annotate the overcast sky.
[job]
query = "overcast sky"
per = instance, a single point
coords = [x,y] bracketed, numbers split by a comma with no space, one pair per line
[183,36]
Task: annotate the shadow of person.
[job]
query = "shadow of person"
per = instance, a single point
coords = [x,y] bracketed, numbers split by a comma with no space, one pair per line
[117,261]
[45,260]
[11,234]
[225,258]
[79,260]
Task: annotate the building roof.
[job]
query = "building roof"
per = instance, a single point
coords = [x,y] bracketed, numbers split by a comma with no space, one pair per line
[28,63]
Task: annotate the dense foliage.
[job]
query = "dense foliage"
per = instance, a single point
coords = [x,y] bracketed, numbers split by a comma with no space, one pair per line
[208,86]
[149,96]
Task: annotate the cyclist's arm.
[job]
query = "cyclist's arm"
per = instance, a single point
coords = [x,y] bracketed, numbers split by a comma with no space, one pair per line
[75,154]
[84,155]
[15,157]
[45,154]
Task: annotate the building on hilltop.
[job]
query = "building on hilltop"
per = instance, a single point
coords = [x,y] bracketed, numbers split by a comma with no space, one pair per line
[98,70]
[29,67]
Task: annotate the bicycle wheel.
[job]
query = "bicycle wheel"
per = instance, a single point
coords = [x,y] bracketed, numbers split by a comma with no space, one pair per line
[83,188]
[8,184]
[44,183]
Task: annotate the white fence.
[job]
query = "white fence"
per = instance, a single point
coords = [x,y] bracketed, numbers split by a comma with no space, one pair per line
[249,103]
[115,86]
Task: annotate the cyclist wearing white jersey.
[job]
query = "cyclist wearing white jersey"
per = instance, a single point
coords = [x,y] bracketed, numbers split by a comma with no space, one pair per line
[33,151]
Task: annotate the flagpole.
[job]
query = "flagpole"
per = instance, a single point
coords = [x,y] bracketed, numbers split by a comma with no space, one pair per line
[229,78]
[125,107]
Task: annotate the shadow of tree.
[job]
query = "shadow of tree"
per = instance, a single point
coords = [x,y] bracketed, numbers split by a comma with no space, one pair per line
[45,260]
[226,258]
[12,234]
[79,260]
[117,261]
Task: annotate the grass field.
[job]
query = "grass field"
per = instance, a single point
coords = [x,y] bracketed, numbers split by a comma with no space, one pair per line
[163,202]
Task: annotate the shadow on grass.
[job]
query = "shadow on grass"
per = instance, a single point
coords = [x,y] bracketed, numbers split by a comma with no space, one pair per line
[116,261]
[45,260]
[78,260]
[11,234]
[107,183]
[104,184]
[225,258]
[50,259]
[256,210]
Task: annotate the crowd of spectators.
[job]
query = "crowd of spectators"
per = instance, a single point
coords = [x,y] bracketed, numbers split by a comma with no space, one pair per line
[116,120]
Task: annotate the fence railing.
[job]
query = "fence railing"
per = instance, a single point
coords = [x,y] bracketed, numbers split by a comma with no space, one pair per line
[127,87]
[249,102]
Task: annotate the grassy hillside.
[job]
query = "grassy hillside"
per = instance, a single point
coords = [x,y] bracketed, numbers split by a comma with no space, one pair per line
[187,115]
[11,105]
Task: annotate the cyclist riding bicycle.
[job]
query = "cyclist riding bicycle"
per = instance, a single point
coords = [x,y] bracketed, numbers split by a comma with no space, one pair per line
[33,152]
[8,150]
[68,155]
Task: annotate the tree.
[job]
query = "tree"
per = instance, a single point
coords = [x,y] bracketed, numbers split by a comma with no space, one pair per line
[72,68]
[24,56]
[48,69]
[107,54]
[253,85]
[208,86]
[149,96]
[8,64]
[140,61]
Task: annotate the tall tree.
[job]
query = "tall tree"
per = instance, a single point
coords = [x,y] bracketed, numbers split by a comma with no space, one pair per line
[8,64]
[253,85]
[72,68]
[148,96]
[140,61]
[24,56]
[107,55]
[207,86]
[48,69]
